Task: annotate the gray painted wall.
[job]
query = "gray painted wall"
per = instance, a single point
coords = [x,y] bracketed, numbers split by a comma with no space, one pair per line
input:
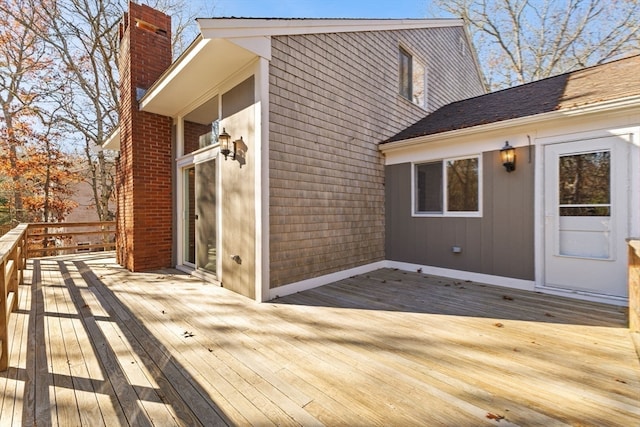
[333,98]
[238,192]
[499,243]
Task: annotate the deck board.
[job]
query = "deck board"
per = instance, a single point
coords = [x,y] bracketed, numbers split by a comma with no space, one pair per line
[94,344]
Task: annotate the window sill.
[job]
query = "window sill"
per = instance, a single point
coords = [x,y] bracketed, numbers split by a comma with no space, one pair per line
[447,215]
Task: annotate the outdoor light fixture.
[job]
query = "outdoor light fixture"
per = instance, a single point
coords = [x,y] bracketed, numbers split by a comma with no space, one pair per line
[508,156]
[224,139]
[239,147]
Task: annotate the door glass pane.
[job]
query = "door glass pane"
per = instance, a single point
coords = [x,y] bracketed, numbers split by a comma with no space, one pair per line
[584,184]
[190,215]
[206,210]
[462,185]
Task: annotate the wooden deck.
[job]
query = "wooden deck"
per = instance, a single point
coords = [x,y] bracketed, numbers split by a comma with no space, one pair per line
[96,345]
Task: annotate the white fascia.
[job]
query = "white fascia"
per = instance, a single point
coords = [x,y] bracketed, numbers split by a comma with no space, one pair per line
[211,28]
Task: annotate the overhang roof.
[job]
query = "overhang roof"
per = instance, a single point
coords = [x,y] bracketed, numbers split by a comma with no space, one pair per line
[264,27]
[226,45]
[600,84]
[205,64]
[113,140]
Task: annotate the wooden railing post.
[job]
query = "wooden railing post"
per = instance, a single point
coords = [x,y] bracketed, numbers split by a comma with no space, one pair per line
[4,317]
[12,264]
[634,285]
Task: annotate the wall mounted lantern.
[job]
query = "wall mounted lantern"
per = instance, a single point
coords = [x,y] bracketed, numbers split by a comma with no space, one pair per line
[225,139]
[508,156]
[239,147]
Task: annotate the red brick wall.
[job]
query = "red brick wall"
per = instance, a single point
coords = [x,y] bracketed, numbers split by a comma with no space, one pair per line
[144,186]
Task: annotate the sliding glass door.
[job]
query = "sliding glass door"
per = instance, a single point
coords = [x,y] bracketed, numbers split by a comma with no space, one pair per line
[206,236]
[199,213]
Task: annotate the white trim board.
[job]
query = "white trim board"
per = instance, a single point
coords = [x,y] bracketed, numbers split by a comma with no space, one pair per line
[305,285]
[212,28]
[505,282]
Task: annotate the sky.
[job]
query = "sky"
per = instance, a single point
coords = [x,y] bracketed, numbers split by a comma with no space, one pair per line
[321,8]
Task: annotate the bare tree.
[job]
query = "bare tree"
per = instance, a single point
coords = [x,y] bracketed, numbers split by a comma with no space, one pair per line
[83,36]
[519,41]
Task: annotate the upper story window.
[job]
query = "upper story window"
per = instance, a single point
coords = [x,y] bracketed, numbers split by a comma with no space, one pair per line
[448,187]
[413,77]
[202,126]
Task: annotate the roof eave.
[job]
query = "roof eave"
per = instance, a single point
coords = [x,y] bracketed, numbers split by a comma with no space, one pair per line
[113,140]
[609,106]
[174,69]
[252,27]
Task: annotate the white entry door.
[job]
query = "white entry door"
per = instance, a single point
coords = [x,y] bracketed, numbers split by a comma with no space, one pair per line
[586,205]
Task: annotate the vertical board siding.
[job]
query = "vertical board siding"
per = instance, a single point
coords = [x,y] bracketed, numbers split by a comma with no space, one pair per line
[499,243]
[333,98]
[238,192]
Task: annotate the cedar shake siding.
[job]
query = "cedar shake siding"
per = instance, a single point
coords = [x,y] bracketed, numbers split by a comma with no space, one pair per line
[143,181]
[499,243]
[332,98]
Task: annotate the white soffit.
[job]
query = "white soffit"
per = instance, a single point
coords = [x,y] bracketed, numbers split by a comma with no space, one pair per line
[205,65]
[251,27]
[113,141]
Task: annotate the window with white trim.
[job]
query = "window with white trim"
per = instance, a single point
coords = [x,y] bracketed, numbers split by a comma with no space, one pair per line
[413,78]
[448,187]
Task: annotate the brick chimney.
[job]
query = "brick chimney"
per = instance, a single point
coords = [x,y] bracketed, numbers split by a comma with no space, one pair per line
[143,177]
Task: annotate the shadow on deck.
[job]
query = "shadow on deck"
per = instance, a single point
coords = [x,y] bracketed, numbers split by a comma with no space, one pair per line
[93,344]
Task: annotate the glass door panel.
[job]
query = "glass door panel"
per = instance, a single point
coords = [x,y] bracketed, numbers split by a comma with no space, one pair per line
[205,193]
[189,216]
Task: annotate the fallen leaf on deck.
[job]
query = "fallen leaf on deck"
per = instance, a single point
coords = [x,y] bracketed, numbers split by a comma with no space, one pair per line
[495,417]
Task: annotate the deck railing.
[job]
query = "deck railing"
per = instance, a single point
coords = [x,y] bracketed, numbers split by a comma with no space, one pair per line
[41,239]
[634,285]
[12,262]
[47,239]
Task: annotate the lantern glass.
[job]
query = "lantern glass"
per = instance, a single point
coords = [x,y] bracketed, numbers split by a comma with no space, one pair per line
[240,148]
[224,139]
[508,157]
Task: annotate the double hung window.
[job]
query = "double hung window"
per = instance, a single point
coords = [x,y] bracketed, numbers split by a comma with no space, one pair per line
[413,78]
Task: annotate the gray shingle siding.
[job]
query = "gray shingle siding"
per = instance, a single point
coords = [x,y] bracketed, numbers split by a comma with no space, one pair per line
[333,98]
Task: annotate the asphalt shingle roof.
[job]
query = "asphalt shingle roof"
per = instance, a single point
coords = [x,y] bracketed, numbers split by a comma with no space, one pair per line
[606,82]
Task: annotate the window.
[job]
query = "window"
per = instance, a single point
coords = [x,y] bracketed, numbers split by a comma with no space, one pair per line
[585,184]
[412,78]
[201,126]
[448,187]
